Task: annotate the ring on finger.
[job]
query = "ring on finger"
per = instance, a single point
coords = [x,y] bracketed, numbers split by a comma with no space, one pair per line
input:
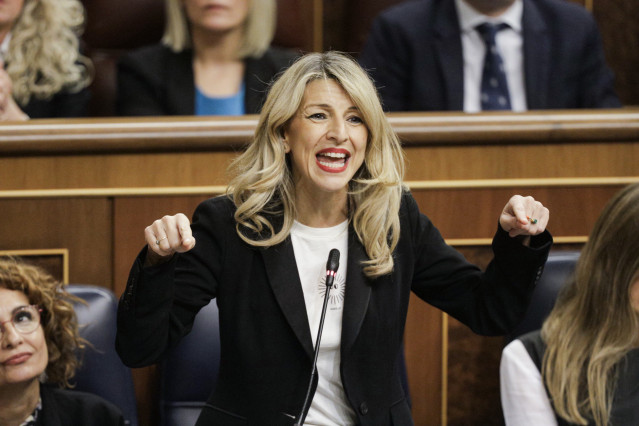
[531,220]
[160,240]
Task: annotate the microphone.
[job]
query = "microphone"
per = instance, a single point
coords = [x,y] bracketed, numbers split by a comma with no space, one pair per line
[332,264]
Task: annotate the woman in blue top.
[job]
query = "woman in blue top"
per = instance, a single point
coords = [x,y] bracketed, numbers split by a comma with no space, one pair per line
[215,59]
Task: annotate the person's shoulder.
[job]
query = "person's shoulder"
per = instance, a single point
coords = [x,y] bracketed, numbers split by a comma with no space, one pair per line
[408,208]
[534,345]
[415,16]
[155,53]
[408,201]
[73,405]
[219,202]
[559,10]
[407,8]
[219,206]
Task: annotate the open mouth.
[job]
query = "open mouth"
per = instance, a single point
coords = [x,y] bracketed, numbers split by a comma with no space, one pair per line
[333,160]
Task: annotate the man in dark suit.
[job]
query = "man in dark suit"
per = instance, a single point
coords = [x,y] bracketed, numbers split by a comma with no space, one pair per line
[428,55]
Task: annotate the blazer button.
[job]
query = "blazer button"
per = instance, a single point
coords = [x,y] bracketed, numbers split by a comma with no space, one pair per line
[363,408]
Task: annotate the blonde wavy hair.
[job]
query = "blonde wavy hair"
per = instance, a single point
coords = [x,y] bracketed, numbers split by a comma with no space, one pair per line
[259,27]
[58,318]
[44,57]
[593,325]
[262,187]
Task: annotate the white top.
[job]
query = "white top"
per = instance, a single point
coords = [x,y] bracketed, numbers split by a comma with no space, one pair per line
[523,396]
[311,247]
[509,42]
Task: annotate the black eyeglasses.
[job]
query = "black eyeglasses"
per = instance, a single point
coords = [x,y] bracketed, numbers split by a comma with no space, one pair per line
[25,319]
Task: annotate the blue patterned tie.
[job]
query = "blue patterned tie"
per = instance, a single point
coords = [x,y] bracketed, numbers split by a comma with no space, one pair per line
[494,88]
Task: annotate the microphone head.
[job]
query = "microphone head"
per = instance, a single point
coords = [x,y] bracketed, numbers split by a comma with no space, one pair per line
[333,260]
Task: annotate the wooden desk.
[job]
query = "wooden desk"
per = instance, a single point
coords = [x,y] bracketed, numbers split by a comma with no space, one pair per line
[91,186]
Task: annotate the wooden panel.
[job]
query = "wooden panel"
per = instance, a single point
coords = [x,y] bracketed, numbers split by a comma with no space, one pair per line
[298,25]
[423,346]
[114,171]
[170,152]
[82,226]
[473,213]
[53,261]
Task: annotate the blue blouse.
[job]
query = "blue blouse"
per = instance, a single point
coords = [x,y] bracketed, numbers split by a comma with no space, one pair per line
[231,105]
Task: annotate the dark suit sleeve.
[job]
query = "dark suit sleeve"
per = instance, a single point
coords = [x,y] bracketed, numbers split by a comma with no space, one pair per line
[490,302]
[597,80]
[385,57]
[160,302]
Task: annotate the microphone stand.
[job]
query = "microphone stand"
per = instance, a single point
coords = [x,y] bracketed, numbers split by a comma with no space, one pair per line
[307,400]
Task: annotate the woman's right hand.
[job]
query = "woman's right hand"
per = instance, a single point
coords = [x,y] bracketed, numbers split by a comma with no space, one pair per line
[167,236]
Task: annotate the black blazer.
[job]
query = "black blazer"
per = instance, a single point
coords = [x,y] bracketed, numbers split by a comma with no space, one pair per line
[63,104]
[62,407]
[414,54]
[266,344]
[156,81]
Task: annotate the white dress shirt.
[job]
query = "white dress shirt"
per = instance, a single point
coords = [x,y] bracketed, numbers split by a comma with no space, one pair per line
[523,396]
[510,45]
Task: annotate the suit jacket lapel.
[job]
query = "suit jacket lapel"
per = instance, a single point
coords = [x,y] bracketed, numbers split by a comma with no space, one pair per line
[281,270]
[536,57]
[448,49]
[358,293]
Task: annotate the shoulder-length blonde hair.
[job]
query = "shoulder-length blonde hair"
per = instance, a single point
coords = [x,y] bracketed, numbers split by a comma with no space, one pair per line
[593,324]
[44,56]
[259,28]
[58,318]
[263,185]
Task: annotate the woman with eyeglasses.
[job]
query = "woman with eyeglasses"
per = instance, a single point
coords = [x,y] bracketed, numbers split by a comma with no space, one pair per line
[38,342]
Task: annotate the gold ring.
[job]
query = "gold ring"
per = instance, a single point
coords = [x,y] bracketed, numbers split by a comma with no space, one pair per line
[158,241]
[533,221]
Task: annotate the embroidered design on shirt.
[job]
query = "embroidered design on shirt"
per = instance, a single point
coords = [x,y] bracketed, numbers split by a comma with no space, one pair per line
[336,296]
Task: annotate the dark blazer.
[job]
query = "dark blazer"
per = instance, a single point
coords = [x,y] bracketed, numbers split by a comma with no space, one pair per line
[414,54]
[266,342]
[70,408]
[625,404]
[62,105]
[156,81]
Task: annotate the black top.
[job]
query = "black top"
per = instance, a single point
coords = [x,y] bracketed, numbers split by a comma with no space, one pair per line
[625,405]
[61,407]
[63,104]
[155,81]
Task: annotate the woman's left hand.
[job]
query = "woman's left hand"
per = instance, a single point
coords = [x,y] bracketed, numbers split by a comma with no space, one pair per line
[9,109]
[524,216]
